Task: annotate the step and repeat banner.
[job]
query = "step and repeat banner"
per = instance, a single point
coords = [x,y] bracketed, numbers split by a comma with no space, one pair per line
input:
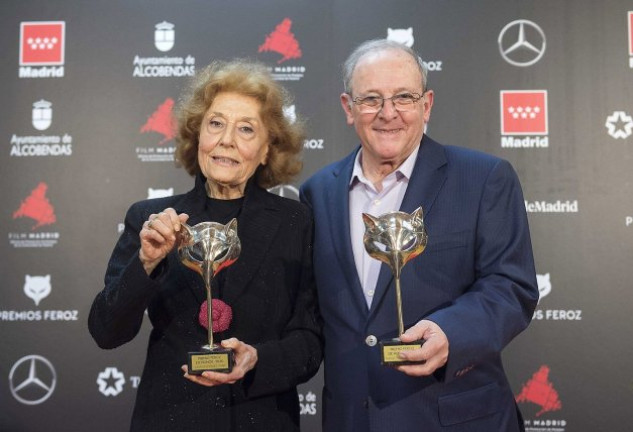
[87,128]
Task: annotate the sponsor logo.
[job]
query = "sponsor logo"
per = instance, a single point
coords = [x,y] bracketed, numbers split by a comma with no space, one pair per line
[619,125]
[628,221]
[545,288]
[38,288]
[32,380]
[630,28]
[403,36]
[290,113]
[159,193]
[163,123]
[38,208]
[558,206]
[314,144]
[283,42]
[42,49]
[164,36]
[524,119]
[307,404]
[544,285]
[41,145]
[287,191]
[539,392]
[111,381]
[165,66]
[521,43]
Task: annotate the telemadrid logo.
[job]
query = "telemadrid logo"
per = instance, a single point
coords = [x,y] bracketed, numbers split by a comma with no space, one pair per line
[522,43]
[32,380]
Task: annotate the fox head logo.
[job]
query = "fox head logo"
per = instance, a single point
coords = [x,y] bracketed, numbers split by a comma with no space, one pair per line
[403,36]
[544,285]
[37,287]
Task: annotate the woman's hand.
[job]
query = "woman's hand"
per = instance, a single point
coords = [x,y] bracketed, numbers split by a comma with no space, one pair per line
[158,237]
[245,360]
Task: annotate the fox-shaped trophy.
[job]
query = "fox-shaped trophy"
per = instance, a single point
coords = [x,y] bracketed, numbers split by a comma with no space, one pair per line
[395,238]
[207,248]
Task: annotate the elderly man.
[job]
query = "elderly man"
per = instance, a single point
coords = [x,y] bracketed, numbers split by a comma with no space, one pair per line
[466,297]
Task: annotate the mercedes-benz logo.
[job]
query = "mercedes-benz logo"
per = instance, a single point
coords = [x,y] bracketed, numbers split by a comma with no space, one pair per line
[522,43]
[32,379]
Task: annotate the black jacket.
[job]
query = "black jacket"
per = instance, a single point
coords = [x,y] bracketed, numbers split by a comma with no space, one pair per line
[271,291]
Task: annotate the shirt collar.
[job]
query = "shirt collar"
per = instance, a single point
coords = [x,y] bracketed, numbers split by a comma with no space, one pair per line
[404,170]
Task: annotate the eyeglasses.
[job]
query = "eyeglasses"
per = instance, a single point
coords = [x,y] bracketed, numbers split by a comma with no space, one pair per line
[401,102]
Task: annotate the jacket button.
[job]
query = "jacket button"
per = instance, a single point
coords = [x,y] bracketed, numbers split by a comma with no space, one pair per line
[371,340]
[220,402]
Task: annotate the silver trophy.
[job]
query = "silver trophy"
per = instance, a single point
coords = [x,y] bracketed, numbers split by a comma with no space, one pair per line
[207,248]
[395,238]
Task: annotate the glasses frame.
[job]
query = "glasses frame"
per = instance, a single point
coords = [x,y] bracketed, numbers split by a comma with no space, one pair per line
[366,109]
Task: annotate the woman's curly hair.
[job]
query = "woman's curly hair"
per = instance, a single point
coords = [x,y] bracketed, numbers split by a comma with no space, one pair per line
[248,79]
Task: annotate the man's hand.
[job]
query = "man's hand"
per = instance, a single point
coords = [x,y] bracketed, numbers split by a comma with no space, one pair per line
[433,353]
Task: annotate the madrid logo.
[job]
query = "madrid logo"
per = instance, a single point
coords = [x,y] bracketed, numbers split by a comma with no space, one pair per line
[282,41]
[162,121]
[521,43]
[540,391]
[37,207]
[42,43]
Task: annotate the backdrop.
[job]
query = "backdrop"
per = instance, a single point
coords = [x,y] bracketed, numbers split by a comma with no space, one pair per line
[88,90]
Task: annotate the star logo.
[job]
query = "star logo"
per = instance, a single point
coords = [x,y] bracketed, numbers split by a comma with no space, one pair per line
[619,125]
[110,381]
[521,43]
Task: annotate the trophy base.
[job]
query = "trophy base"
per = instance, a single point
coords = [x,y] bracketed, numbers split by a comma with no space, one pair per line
[215,359]
[389,350]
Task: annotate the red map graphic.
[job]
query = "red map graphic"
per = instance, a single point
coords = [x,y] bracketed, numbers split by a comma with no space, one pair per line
[162,121]
[37,207]
[282,41]
[541,392]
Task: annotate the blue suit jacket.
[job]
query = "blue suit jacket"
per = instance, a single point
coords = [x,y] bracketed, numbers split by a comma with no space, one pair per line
[476,280]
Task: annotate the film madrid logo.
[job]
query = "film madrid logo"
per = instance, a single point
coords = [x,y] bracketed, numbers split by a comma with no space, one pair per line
[163,66]
[37,288]
[42,49]
[161,125]
[111,380]
[524,119]
[540,393]
[41,145]
[37,209]
[283,43]
[545,288]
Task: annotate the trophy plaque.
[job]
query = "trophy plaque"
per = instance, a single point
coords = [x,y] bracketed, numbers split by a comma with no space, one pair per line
[395,238]
[207,248]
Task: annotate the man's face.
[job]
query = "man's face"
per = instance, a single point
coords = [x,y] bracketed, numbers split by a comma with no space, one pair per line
[388,136]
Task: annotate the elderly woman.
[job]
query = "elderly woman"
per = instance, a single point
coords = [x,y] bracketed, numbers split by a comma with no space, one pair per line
[234,139]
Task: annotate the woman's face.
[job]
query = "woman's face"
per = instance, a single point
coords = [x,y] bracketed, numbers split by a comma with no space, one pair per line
[233,142]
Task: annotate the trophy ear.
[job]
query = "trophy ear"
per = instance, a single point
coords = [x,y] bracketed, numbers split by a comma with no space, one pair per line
[231,226]
[418,213]
[370,221]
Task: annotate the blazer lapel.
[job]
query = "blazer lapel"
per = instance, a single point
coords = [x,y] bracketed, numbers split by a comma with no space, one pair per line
[427,178]
[257,226]
[338,198]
